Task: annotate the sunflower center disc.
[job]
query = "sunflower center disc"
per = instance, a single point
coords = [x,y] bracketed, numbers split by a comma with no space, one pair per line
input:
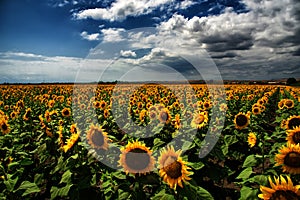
[241,120]
[98,138]
[256,110]
[292,159]
[164,116]
[4,126]
[293,123]
[296,137]
[200,119]
[173,170]
[289,104]
[137,159]
[284,195]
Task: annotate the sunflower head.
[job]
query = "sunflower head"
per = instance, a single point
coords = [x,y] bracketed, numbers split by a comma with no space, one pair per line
[136,158]
[73,128]
[252,139]
[66,112]
[256,110]
[27,114]
[282,189]
[172,168]
[293,136]
[289,103]
[292,122]
[199,120]
[97,137]
[289,158]
[70,142]
[164,116]
[241,120]
[4,126]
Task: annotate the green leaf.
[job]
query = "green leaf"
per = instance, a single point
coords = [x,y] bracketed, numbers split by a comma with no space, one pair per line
[38,178]
[203,194]
[10,183]
[196,165]
[157,142]
[194,192]
[29,188]
[63,192]
[119,175]
[230,139]
[60,192]
[66,177]
[26,162]
[123,195]
[250,161]
[225,150]
[74,156]
[12,165]
[260,179]
[187,145]
[248,193]
[162,195]
[245,173]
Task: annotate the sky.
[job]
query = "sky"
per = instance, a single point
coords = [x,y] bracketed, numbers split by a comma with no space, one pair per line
[89,40]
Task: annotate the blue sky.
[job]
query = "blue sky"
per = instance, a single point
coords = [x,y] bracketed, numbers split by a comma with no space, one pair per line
[57,40]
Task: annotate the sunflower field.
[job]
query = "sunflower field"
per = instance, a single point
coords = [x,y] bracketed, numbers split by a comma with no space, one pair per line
[149,142]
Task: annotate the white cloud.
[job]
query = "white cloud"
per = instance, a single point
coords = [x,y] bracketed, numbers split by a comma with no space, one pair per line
[120,9]
[184,4]
[128,53]
[23,67]
[112,34]
[90,37]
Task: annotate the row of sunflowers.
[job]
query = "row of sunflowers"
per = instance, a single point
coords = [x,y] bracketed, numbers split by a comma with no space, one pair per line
[149,141]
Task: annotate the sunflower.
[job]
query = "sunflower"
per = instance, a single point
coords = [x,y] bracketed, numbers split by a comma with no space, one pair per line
[293,136]
[164,116]
[13,115]
[97,137]
[172,168]
[96,104]
[176,122]
[242,120]
[289,158]
[142,115]
[256,110]
[281,189]
[207,105]
[289,103]
[136,158]
[4,126]
[281,104]
[51,103]
[152,115]
[102,104]
[66,112]
[223,107]
[70,142]
[27,114]
[292,122]
[73,128]
[106,113]
[283,124]
[199,120]
[47,116]
[252,139]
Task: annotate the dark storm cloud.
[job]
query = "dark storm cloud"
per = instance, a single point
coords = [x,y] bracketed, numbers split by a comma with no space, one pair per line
[224,55]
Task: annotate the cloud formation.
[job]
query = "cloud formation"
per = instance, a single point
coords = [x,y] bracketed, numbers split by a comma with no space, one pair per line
[90,37]
[121,9]
[128,53]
